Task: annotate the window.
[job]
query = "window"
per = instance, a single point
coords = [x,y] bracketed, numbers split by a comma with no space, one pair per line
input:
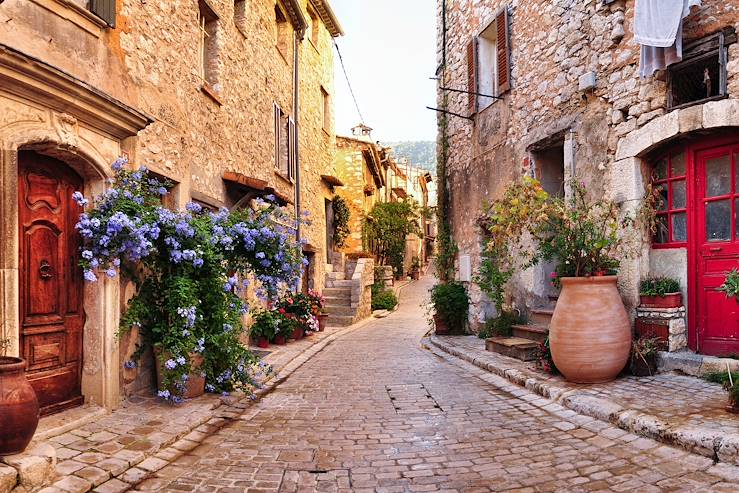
[284,143]
[240,15]
[668,180]
[208,41]
[282,32]
[105,9]
[315,26]
[326,110]
[701,76]
[488,63]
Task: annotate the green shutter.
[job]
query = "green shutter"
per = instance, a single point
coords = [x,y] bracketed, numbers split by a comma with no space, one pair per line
[105,9]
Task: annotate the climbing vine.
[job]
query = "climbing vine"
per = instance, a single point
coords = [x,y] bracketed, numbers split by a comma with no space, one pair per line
[341,220]
[446,247]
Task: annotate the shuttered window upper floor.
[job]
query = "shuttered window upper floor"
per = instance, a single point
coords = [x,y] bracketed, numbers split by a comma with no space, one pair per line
[488,62]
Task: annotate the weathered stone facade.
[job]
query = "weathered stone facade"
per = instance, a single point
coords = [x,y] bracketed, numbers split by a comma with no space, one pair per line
[84,92]
[359,167]
[604,134]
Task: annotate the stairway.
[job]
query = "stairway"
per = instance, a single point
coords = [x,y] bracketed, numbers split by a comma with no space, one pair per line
[525,338]
[337,297]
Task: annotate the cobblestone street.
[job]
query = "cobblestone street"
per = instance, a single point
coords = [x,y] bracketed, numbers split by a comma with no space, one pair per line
[375,412]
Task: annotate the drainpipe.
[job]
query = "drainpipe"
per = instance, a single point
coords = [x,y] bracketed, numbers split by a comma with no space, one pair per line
[296,117]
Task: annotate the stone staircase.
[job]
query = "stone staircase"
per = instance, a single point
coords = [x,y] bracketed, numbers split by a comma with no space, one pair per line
[347,291]
[525,338]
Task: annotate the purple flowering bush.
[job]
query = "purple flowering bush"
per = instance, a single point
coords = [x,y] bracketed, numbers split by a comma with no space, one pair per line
[190,268]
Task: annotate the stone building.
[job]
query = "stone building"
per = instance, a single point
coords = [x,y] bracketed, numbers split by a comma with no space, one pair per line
[226,98]
[559,96]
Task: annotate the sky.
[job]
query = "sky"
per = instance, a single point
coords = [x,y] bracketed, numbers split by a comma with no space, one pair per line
[389,50]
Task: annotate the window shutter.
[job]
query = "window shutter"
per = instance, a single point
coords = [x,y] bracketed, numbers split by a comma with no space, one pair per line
[292,159]
[472,74]
[105,9]
[504,52]
[276,117]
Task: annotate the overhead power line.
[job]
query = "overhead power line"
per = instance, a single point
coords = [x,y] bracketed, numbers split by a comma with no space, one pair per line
[348,82]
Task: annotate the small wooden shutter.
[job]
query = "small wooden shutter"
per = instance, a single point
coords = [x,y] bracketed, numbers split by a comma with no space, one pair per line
[105,9]
[472,74]
[504,52]
[277,114]
[292,157]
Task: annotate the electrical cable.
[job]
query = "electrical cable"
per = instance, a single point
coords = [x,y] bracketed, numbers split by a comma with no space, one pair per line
[348,82]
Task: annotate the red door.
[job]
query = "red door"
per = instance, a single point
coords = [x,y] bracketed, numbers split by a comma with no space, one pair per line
[716,248]
[51,286]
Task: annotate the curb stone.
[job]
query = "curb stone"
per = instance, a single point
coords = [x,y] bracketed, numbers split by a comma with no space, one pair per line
[711,443]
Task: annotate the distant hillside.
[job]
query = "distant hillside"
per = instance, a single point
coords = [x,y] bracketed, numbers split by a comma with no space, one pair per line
[420,153]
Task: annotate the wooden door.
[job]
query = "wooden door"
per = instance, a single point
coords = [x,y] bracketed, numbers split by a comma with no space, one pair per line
[50,281]
[716,248]
[329,230]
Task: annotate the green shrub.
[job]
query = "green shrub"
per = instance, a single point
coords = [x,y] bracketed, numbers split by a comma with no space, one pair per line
[451,303]
[500,326]
[659,286]
[384,299]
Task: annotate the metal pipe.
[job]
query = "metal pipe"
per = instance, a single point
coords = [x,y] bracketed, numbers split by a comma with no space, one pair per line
[296,142]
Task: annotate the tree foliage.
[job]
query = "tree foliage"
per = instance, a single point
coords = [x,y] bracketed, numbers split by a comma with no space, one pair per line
[385,230]
[341,220]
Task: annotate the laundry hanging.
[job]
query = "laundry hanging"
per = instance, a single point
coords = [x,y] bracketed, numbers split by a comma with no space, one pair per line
[658,26]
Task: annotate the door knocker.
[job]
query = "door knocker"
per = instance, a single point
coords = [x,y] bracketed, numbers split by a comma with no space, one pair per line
[45,270]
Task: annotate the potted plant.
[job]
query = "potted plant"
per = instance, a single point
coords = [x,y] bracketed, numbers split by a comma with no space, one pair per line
[317,309]
[644,356]
[450,303]
[590,331]
[415,268]
[264,328]
[660,292]
[19,410]
[731,285]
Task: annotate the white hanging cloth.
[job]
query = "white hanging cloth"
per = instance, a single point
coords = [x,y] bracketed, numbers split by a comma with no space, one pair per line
[658,26]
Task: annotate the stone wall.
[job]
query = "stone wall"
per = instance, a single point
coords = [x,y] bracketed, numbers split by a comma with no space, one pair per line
[149,64]
[553,45]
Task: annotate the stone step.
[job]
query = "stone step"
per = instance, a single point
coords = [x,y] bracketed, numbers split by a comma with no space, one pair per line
[514,347]
[335,276]
[338,309]
[538,333]
[337,293]
[337,300]
[541,316]
[340,320]
[340,283]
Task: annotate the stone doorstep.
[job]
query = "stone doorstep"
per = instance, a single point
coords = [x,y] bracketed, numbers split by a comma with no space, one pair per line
[694,364]
[513,347]
[135,470]
[711,443]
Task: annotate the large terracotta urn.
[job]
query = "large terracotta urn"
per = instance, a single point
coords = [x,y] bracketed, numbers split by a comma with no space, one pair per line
[19,411]
[590,332]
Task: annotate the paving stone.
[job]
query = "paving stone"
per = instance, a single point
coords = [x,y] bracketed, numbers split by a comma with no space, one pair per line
[73,484]
[93,474]
[112,486]
[152,464]
[134,475]
[8,478]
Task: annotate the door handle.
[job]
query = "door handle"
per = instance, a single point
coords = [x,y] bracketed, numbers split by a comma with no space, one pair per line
[714,249]
[45,270]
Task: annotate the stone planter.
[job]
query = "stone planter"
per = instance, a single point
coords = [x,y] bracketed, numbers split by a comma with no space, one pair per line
[669,300]
[195,386]
[590,332]
[19,411]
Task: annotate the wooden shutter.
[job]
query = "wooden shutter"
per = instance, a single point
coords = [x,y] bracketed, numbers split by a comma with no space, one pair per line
[105,9]
[292,144]
[277,114]
[472,74]
[504,52]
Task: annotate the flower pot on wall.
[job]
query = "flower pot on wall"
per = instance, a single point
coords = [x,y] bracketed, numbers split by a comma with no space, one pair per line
[19,411]
[590,332]
[669,300]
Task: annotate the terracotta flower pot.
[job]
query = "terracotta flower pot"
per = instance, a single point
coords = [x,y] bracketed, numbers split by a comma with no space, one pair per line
[19,411]
[440,326]
[263,342]
[322,319]
[669,300]
[195,385]
[590,332]
[298,333]
[280,340]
